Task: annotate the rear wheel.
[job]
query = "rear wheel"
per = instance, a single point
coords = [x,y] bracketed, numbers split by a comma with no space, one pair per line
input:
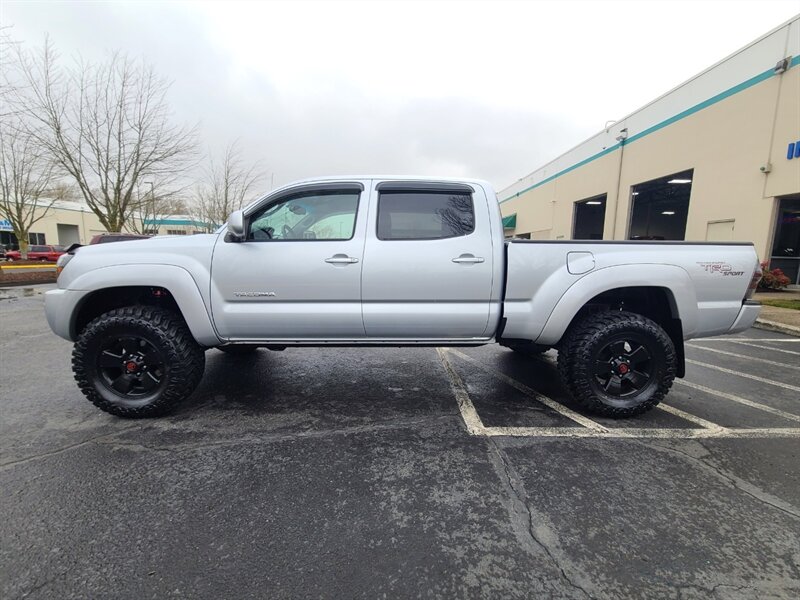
[137,361]
[617,364]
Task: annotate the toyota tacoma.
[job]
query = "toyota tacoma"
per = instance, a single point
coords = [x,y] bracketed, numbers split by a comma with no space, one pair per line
[392,261]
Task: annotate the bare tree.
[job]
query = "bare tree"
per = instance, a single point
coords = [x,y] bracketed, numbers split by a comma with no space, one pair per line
[153,205]
[227,187]
[107,125]
[25,174]
[63,190]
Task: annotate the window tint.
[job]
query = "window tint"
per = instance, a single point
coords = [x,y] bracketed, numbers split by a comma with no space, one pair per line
[40,249]
[424,215]
[312,216]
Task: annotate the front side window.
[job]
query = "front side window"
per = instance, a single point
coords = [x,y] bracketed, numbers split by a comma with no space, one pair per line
[424,215]
[327,216]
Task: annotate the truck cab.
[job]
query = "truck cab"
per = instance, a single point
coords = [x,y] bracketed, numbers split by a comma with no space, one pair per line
[362,261]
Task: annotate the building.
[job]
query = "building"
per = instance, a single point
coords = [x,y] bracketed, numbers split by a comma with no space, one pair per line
[68,223]
[717,159]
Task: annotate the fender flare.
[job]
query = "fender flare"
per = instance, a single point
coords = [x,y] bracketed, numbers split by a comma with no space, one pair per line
[673,278]
[176,280]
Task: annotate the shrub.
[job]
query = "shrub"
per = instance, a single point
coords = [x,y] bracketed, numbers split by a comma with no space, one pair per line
[772,279]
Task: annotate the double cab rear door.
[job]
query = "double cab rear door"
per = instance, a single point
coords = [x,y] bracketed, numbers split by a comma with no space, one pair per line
[361,260]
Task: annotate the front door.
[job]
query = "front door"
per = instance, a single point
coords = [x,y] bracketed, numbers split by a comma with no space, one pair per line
[297,275]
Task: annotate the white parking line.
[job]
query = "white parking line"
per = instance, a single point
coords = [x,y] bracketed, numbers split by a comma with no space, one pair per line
[471,418]
[475,425]
[722,338]
[740,400]
[548,402]
[651,433]
[689,417]
[751,358]
[765,347]
[746,375]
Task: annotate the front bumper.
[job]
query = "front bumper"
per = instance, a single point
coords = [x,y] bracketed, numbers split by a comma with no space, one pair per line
[746,317]
[60,310]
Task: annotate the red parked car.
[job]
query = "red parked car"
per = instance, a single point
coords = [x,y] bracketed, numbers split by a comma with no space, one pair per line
[37,252]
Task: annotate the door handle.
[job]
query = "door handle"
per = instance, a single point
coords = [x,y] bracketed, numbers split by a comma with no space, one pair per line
[468,259]
[341,259]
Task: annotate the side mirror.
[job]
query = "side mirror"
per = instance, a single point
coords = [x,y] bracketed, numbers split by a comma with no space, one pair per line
[235,227]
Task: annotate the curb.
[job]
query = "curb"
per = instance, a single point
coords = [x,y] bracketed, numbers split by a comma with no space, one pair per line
[768,325]
[42,265]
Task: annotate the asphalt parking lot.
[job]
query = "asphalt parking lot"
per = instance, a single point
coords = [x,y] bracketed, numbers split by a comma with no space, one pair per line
[400,473]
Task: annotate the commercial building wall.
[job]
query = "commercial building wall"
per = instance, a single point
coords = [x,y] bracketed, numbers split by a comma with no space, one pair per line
[72,222]
[732,125]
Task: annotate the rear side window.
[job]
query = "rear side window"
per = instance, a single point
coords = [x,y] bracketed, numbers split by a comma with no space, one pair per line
[424,215]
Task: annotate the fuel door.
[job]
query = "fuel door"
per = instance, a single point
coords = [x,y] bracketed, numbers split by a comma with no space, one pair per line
[579,263]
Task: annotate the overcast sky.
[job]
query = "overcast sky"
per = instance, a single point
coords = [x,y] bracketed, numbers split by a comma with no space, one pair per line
[481,89]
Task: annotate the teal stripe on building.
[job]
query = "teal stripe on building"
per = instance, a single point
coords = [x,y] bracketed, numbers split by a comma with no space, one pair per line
[681,115]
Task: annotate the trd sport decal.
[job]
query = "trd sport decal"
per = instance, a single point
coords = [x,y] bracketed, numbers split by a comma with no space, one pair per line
[720,268]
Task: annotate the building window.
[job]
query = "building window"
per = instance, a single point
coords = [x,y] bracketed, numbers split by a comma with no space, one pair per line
[8,241]
[660,207]
[786,245]
[176,232]
[590,217]
[36,238]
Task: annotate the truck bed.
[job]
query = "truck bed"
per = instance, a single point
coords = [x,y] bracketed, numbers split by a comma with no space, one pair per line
[548,281]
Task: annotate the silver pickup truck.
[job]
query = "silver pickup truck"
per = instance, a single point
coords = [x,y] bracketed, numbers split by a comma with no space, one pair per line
[392,261]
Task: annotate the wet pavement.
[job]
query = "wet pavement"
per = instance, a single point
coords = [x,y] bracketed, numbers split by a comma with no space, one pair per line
[346,473]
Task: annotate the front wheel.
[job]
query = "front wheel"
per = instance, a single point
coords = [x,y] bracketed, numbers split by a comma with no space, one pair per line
[137,361]
[617,364]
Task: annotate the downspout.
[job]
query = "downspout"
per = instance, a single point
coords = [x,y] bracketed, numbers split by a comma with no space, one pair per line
[623,135]
[780,68]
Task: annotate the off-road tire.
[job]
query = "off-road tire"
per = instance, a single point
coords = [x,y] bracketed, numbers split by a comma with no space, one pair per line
[183,360]
[578,355]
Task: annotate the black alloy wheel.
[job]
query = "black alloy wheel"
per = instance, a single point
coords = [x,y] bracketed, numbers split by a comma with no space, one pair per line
[624,367]
[131,366]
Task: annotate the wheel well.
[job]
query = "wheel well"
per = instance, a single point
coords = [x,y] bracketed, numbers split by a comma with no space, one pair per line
[102,301]
[655,303]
